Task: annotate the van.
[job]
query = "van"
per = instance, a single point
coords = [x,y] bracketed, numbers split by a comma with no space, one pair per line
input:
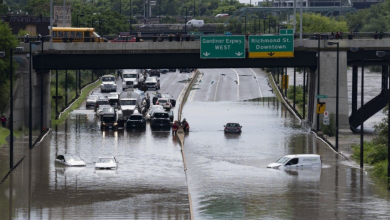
[297,161]
[221,15]
[196,23]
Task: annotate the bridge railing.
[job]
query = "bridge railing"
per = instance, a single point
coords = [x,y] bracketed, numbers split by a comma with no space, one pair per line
[189,37]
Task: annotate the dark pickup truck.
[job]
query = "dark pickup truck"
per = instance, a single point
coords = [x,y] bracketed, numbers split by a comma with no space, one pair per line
[160,119]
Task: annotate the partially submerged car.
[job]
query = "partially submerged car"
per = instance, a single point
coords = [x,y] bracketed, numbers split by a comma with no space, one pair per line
[158,95]
[232,128]
[298,161]
[70,160]
[136,121]
[152,109]
[106,162]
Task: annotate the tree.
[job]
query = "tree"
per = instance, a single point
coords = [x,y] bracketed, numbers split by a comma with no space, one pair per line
[312,23]
[7,41]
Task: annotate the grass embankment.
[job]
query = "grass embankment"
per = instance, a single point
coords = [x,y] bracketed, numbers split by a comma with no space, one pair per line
[4,132]
[76,104]
[375,152]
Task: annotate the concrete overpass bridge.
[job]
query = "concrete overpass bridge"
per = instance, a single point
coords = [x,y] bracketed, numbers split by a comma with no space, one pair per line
[321,66]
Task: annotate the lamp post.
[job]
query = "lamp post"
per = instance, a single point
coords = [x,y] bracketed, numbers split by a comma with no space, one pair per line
[30,97]
[337,95]
[131,15]
[100,21]
[355,49]
[185,20]
[79,15]
[259,23]
[382,54]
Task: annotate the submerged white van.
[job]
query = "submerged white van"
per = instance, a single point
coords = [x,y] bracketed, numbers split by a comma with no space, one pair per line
[297,161]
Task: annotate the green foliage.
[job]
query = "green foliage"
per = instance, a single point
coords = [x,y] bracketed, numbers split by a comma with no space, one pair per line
[330,129]
[371,19]
[7,41]
[312,22]
[298,97]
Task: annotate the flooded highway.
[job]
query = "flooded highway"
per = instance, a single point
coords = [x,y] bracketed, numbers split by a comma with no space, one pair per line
[226,176]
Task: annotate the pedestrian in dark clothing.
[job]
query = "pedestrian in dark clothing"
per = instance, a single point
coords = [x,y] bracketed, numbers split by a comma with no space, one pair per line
[160,38]
[3,120]
[188,37]
[376,35]
[381,34]
[331,36]
[337,35]
[154,38]
[177,37]
[192,37]
[40,37]
[350,35]
[27,39]
[170,38]
[341,35]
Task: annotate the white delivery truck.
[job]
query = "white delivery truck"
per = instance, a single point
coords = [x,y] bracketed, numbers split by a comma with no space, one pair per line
[298,161]
[195,23]
[131,78]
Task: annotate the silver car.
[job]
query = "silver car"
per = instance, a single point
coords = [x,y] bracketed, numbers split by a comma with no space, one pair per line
[70,160]
[152,109]
[232,128]
[91,101]
[106,162]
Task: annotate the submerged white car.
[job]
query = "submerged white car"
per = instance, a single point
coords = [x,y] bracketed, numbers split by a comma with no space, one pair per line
[297,161]
[106,162]
[70,160]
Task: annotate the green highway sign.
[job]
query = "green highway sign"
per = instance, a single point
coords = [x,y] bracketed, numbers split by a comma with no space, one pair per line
[321,96]
[212,47]
[271,46]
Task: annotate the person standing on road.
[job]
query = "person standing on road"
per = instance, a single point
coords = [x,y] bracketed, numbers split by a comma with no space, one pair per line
[185,125]
[3,120]
[381,34]
[174,127]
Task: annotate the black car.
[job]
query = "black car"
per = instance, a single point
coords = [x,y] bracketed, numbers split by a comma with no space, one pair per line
[160,119]
[154,72]
[185,70]
[164,95]
[136,121]
[172,70]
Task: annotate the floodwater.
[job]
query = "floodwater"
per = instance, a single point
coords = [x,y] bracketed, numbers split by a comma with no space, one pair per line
[226,176]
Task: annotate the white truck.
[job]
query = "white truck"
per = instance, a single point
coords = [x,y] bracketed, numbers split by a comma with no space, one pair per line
[195,23]
[131,78]
[130,102]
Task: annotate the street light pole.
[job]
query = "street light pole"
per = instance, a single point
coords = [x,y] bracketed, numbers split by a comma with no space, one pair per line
[79,15]
[337,96]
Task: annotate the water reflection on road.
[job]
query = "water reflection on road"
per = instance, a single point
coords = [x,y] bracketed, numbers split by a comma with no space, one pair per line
[228,178]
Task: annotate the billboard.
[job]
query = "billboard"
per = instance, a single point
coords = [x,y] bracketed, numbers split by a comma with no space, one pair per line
[58,17]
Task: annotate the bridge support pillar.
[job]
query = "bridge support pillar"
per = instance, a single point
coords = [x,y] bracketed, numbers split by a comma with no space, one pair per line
[354,88]
[328,82]
[21,94]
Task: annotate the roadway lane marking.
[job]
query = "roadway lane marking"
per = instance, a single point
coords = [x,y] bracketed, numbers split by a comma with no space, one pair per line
[193,92]
[238,83]
[216,89]
[261,94]
[169,81]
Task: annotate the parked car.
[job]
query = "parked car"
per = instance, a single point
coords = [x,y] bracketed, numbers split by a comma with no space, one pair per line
[164,71]
[232,128]
[136,121]
[152,83]
[185,70]
[91,101]
[101,101]
[101,108]
[158,95]
[106,162]
[165,103]
[152,109]
[124,39]
[154,72]
[298,161]
[70,160]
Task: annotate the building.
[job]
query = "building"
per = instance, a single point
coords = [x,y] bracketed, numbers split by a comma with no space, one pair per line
[33,24]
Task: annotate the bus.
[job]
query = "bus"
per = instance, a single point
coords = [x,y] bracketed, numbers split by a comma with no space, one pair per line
[70,34]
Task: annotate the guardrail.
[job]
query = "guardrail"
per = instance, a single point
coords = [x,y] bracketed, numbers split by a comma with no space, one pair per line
[188,89]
